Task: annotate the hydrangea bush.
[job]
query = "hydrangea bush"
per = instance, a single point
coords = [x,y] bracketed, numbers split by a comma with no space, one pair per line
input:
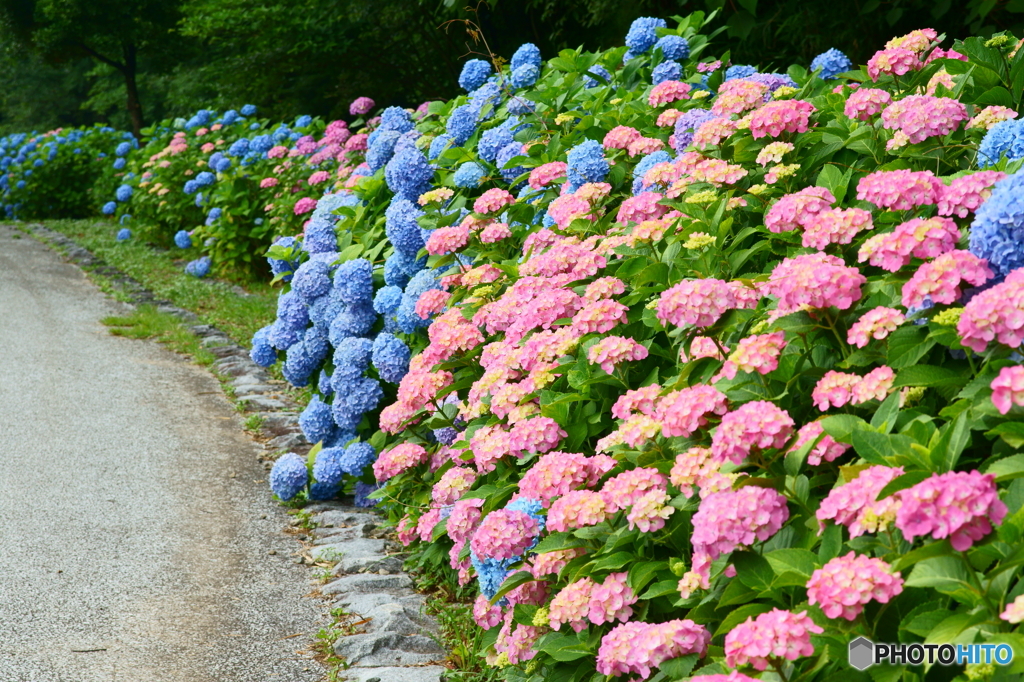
[701,371]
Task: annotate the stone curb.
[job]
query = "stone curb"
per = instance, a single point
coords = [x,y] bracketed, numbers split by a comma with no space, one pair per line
[396,641]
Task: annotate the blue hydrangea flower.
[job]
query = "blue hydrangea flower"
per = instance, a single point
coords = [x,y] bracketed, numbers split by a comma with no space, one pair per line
[446,435]
[353,281]
[323,491]
[316,422]
[484,100]
[1005,137]
[395,270]
[323,384]
[249,110]
[281,336]
[532,508]
[279,266]
[525,76]
[831,63]
[353,399]
[317,345]
[288,476]
[647,163]
[461,124]
[262,353]
[311,280]
[997,233]
[643,34]
[387,300]
[395,118]
[519,105]
[505,155]
[469,175]
[490,574]
[357,457]
[408,173]
[292,311]
[238,148]
[124,234]
[109,208]
[439,145]
[362,490]
[327,467]
[406,317]
[391,357]
[475,73]
[402,229]
[351,358]
[774,81]
[528,54]
[124,193]
[687,124]
[119,164]
[353,320]
[673,47]
[320,236]
[182,239]
[298,365]
[739,71]
[492,140]
[586,163]
[382,149]
[122,149]
[667,71]
[213,215]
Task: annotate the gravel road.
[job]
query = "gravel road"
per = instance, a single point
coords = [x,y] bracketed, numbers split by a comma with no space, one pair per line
[135,525]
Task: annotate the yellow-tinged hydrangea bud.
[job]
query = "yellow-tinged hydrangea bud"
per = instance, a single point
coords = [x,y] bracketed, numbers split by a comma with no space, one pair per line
[758,190]
[979,671]
[652,304]
[542,617]
[698,240]
[678,567]
[502,661]
[564,118]
[997,41]
[697,94]
[948,318]
[784,92]
[617,100]
[759,327]
[704,197]
[531,666]
[911,395]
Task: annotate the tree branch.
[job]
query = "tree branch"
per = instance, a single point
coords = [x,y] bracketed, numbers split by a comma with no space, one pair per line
[96,55]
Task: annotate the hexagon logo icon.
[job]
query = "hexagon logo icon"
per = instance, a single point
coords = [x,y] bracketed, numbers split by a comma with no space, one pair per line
[862,653]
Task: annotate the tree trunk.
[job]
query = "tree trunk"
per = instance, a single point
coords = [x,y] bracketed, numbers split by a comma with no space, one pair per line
[134,104]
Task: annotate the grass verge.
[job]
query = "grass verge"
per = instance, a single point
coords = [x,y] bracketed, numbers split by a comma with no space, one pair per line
[145,322]
[236,312]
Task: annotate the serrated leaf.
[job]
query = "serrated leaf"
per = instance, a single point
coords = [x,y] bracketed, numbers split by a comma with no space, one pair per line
[558,541]
[1007,468]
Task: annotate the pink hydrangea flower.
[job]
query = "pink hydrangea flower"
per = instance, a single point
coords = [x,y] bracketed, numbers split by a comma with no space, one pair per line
[897,60]
[495,232]
[774,118]
[864,103]
[267,183]
[643,206]
[425,526]
[635,648]
[940,279]
[610,601]
[431,302]
[318,177]
[604,287]
[641,400]
[900,190]
[855,504]
[406,531]
[690,468]
[756,425]
[644,146]
[918,237]
[875,385]
[304,205]
[989,116]
[649,512]
[543,175]
[577,509]
[798,209]
[827,448]
[844,585]
[960,505]
[567,208]
[558,473]
[919,117]
[538,434]
[965,194]
[572,605]
[552,563]
[445,240]
[816,280]
[504,534]
[464,519]
[485,615]
[835,389]
[758,353]
[699,302]
[493,200]
[734,518]
[625,489]
[452,484]
[360,106]
[400,458]
[1008,388]
[599,317]
[835,226]
[738,95]
[683,412]
[877,323]
[516,641]
[612,350]
[620,137]
[667,119]
[702,347]
[713,132]
[1014,612]
[777,634]
[995,314]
